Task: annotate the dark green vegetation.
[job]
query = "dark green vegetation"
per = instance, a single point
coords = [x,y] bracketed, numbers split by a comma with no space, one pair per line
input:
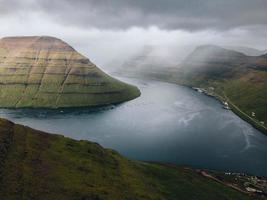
[37,165]
[47,72]
[230,76]
[233,77]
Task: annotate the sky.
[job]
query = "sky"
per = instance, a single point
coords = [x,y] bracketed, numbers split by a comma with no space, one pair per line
[111,31]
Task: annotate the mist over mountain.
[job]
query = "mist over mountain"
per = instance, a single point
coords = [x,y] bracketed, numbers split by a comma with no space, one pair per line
[213,60]
[201,66]
[249,51]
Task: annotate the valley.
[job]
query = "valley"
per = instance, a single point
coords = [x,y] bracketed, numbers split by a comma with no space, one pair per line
[234,77]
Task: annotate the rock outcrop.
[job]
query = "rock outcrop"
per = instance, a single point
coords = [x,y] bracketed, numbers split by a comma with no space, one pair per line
[47,72]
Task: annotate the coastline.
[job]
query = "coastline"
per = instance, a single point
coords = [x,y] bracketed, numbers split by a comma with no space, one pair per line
[235,110]
[218,97]
[103,173]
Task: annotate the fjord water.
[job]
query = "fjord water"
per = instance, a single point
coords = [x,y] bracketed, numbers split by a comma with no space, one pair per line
[167,123]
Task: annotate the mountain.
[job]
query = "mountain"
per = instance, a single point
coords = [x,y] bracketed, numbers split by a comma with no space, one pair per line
[239,79]
[236,78]
[246,50]
[214,61]
[40,166]
[47,72]
[151,61]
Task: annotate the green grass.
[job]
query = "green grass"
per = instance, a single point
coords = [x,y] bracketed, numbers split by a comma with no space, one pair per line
[249,93]
[54,77]
[237,78]
[245,93]
[37,165]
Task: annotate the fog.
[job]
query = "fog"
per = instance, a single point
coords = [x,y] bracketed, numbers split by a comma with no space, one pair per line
[124,37]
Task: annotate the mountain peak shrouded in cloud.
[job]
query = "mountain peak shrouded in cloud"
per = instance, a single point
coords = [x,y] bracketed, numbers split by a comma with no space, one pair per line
[249,51]
[109,27]
[211,52]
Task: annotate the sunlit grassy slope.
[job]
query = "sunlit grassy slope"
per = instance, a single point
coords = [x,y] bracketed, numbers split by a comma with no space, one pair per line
[37,165]
[47,72]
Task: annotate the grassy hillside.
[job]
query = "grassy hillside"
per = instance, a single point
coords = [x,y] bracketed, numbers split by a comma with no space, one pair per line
[238,79]
[40,166]
[47,72]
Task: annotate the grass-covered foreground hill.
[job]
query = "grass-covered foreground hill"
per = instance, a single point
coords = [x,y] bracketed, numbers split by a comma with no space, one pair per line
[47,72]
[39,166]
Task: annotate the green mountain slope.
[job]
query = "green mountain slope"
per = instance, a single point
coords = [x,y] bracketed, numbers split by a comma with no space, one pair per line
[239,79]
[40,166]
[246,50]
[47,72]
[234,77]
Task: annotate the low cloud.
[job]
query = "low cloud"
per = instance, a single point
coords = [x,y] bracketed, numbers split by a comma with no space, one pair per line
[192,15]
[110,31]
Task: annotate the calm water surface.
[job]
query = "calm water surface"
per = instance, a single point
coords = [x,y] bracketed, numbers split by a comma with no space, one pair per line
[167,123]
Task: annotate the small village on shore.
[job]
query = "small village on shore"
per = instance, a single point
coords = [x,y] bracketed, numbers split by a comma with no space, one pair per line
[250,118]
[245,183]
[210,92]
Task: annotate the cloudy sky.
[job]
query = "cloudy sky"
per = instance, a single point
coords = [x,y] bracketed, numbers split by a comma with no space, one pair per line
[108,30]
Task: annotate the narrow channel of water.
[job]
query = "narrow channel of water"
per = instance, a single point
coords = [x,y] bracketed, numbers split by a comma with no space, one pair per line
[167,123]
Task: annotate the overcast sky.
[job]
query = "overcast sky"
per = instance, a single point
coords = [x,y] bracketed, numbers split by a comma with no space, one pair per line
[107,30]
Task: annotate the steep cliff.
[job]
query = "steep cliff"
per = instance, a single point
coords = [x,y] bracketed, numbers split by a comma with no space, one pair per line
[47,72]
